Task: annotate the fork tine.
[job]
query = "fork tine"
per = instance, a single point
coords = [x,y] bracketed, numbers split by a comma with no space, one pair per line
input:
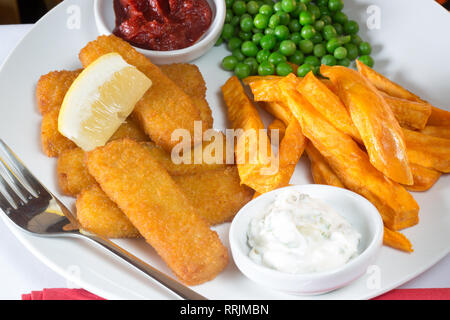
[17,201]
[5,205]
[16,183]
[34,183]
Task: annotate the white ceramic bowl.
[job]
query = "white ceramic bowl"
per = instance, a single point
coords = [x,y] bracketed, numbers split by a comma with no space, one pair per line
[105,21]
[362,215]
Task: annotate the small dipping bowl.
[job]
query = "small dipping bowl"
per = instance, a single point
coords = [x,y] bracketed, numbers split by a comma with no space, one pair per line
[358,211]
[105,20]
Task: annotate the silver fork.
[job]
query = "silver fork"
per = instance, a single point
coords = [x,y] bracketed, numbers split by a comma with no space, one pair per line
[42,214]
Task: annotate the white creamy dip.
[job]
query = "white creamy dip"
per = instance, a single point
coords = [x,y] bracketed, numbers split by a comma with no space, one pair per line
[300,234]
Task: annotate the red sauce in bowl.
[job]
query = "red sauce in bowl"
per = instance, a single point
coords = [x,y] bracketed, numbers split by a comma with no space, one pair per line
[162,25]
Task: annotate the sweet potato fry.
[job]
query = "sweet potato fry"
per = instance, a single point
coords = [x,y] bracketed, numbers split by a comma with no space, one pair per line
[157,207]
[396,240]
[73,175]
[384,84]
[396,206]
[328,104]
[439,117]
[260,173]
[424,178]
[52,87]
[279,110]
[321,171]
[98,214]
[279,125]
[251,79]
[189,78]
[428,151]
[164,107]
[435,131]
[265,90]
[410,114]
[379,130]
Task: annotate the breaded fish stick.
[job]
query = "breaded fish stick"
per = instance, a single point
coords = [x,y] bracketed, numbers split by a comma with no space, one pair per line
[130,129]
[397,207]
[164,107]
[52,87]
[372,116]
[160,211]
[53,142]
[98,214]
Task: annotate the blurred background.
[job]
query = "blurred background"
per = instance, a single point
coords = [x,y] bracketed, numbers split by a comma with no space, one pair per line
[29,11]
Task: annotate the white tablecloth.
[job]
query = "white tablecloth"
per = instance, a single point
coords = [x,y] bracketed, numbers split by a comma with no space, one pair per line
[21,272]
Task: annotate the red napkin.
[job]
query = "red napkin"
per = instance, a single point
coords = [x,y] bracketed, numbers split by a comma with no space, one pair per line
[396,294]
[61,294]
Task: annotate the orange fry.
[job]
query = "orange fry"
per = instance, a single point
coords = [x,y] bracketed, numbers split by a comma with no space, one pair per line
[321,171]
[384,84]
[424,178]
[396,206]
[410,114]
[435,131]
[439,117]
[251,79]
[265,90]
[396,240]
[428,151]
[157,207]
[279,110]
[164,107]
[279,125]
[328,104]
[379,130]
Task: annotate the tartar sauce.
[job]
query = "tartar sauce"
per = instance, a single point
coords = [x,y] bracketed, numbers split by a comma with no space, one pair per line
[301,234]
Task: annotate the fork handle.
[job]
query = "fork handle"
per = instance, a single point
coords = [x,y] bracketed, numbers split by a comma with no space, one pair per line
[173,285]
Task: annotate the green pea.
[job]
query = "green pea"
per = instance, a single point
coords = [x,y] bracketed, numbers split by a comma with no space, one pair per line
[256,30]
[308,32]
[219,42]
[296,37]
[314,10]
[256,38]
[312,60]
[324,11]
[356,39]
[238,54]
[332,44]
[266,10]
[228,16]
[288,5]
[269,31]
[268,42]
[327,19]
[253,65]
[340,17]
[281,32]
[239,7]
[227,31]
[316,38]
[367,60]
[345,39]
[339,28]
[306,46]
[252,7]
[242,70]
[304,69]
[316,70]
[235,21]
[234,43]
[229,3]
[340,53]
[322,3]
[306,18]
[320,50]
[319,25]
[297,10]
[335,5]
[351,27]
[229,63]
[276,58]
[344,62]
[329,32]
[287,47]
[298,57]
[277,7]
[245,35]
[247,24]
[266,69]
[365,48]
[294,25]
[352,51]
[283,69]
[274,21]
[262,55]
[284,18]
[261,21]
[328,60]
[249,49]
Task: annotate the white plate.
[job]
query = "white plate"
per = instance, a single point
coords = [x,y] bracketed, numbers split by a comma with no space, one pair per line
[411,47]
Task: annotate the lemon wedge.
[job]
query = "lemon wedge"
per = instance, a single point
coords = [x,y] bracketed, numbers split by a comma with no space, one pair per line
[99,101]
